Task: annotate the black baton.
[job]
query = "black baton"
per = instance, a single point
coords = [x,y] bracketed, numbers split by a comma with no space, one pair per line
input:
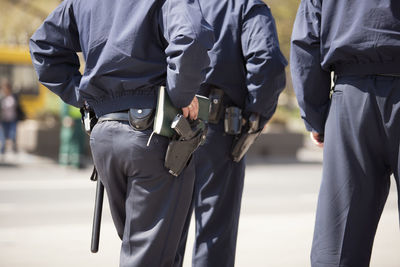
[98,208]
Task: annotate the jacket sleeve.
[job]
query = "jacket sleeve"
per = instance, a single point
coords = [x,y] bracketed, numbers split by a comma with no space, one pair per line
[189,38]
[311,83]
[53,50]
[265,64]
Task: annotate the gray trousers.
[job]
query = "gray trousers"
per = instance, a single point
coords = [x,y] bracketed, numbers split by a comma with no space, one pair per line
[361,151]
[148,205]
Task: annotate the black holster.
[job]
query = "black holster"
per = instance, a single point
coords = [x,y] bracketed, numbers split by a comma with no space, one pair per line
[246,138]
[179,153]
[188,139]
[243,144]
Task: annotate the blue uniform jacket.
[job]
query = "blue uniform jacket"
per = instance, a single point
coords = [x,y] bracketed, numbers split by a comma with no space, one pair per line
[345,37]
[129,47]
[246,61]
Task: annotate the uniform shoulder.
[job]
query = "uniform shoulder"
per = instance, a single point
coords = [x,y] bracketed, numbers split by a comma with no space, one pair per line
[250,5]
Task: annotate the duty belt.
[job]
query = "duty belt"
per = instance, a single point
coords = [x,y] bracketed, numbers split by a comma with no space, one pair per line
[389,75]
[394,75]
[139,119]
[115,116]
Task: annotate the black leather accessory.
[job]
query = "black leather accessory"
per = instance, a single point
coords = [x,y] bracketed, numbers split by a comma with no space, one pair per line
[141,119]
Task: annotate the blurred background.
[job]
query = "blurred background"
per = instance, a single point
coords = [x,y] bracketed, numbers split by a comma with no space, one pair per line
[46,198]
[51,126]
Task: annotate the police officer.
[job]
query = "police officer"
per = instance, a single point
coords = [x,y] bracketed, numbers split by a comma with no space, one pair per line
[130,49]
[248,67]
[358,126]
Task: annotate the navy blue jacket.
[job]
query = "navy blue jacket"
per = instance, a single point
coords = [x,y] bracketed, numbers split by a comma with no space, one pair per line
[246,61]
[345,37]
[129,47]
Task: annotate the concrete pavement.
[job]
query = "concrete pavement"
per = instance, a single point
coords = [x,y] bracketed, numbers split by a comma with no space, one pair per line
[46,214]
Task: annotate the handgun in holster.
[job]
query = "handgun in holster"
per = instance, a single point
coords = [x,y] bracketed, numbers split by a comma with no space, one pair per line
[247,137]
[189,136]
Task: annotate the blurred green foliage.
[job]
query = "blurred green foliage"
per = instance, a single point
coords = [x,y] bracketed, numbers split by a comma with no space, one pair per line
[284,12]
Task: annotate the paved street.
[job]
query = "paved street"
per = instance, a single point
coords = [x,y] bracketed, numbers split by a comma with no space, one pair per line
[46,215]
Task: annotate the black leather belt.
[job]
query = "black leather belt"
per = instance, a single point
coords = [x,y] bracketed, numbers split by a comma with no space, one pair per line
[115,116]
[139,119]
[336,76]
[389,75]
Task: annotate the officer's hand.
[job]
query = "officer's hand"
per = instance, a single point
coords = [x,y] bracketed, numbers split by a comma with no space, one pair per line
[192,110]
[317,138]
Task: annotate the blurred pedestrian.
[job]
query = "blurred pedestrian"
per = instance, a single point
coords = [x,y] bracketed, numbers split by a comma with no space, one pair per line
[72,137]
[246,75]
[9,105]
[131,48]
[2,139]
[357,121]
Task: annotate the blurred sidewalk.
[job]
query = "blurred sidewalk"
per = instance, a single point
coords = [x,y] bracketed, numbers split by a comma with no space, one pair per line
[46,215]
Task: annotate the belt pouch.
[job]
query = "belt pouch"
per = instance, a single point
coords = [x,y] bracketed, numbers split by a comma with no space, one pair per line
[216,105]
[141,119]
[233,120]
